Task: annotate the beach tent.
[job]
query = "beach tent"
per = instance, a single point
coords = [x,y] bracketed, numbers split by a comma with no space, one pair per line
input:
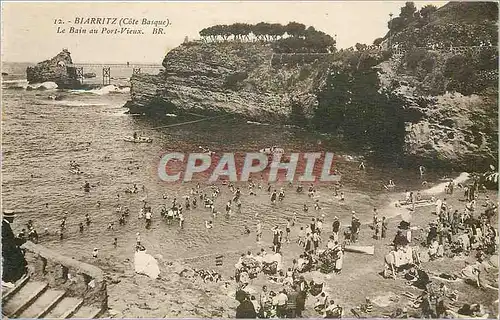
[406,216]
[146,264]
[269,258]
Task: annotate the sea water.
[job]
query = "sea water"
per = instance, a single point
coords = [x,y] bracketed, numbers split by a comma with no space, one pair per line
[41,136]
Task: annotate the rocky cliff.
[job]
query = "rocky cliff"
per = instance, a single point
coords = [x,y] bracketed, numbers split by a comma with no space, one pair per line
[431,99]
[233,77]
[55,70]
[448,77]
[446,127]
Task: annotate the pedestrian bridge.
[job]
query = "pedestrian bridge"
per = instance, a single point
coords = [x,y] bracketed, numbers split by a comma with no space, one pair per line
[106,69]
[115,65]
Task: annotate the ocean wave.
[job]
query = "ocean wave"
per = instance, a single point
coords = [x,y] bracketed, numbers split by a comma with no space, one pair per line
[77,103]
[15,84]
[48,85]
[23,84]
[257,123]
[16,81]
[111,89]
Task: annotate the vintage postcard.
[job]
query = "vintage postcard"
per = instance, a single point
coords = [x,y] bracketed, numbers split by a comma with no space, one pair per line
[249,159]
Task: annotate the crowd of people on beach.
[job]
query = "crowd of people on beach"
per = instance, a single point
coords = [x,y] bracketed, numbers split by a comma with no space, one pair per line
[453,232]
[461,233]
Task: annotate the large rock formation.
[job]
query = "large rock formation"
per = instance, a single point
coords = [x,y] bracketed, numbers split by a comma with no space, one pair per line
[433,101]
[58,70]
[450,91]
[230,77]
[456,129]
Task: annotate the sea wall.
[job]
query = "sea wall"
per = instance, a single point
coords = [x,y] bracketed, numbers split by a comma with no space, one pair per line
[77,278]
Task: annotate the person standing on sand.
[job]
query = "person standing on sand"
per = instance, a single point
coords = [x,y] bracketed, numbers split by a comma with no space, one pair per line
[148,219]
[319,226]
[181,220]
[246,310]
[259,231]
[421,169]
[383,228]
[309,243]
[375,218]
[294,220]
[340,261]
[276,234]
[355,224]
[439,205]
[313,225]
[282,300]
[316,240]
[301,239]
[336,228]
[288,229]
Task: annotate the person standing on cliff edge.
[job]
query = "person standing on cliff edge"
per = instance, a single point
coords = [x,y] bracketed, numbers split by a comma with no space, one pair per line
[14,265]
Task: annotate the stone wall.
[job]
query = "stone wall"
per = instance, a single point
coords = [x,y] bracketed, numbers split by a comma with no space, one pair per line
[77,278]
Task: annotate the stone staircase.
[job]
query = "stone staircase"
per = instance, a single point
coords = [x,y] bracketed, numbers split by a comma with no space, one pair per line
[34,299]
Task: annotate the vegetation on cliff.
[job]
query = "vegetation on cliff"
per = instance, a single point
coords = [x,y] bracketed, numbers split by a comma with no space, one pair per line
[291,38]
[455,24]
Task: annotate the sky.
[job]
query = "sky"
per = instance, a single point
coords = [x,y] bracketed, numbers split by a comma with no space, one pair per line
[29,29]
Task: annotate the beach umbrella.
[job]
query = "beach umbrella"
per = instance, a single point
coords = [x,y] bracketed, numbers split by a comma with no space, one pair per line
[317,276]
[406,216]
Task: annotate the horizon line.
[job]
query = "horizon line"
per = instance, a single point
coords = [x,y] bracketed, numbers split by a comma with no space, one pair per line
[88,62]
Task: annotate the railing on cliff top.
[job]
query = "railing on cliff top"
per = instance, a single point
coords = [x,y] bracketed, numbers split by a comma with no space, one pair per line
[115,65]
[396,51]
[453,50]
[79,279]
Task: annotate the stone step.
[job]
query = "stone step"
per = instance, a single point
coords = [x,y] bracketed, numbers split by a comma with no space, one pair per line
[65,308]
[24,298]
[8,293]
[43,304]
[86,312]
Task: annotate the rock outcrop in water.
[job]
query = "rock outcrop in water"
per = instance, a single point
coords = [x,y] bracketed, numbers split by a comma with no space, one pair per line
[232,77]
[58,70]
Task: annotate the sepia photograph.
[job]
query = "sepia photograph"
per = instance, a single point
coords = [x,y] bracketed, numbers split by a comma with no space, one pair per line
[249,159]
